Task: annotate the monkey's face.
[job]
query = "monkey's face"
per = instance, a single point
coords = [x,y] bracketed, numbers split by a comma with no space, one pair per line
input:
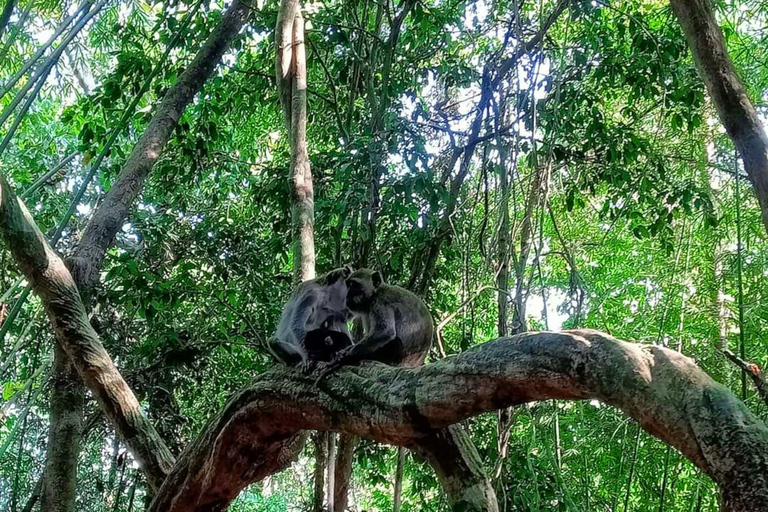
[361,287]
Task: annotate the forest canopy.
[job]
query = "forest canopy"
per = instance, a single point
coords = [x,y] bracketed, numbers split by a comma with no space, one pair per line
[576,189]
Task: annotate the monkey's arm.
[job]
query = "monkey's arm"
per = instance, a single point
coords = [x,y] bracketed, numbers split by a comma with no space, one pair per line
[288,353]
[382,334]
[304,309]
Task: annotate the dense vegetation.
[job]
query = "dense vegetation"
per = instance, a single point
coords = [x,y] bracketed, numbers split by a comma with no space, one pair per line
[521,165]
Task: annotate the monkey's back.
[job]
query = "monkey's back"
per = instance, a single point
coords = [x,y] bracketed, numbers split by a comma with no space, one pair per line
[413,323]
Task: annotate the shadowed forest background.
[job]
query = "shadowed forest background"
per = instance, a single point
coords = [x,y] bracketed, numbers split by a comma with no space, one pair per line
[521,165]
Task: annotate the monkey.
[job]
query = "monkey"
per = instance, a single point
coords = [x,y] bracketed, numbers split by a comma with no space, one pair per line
[397,324]
[323,344]
[317,303]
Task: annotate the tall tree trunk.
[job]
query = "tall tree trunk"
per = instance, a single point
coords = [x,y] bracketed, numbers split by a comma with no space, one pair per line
[291,74]
[735,109]
[32,500]
[320,442]
[504,420]
[344,463]
[64,437]
[537,198]
[291,70]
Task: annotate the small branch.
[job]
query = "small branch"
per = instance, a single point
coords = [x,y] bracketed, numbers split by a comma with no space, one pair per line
[753,371]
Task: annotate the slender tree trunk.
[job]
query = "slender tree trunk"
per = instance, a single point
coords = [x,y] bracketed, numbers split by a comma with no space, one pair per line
[504,420]
[344,463]
[291,74]
[735,109]
[110,487]
[132,492]
[303,204]
[32,501]
[537,198]
[397,499]
[64,437]
[320,441]
[6,15]
[291,70]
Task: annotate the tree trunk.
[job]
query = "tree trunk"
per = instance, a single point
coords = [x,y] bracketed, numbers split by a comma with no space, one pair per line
[397,498]
[35,495]
[66,428]
[734,107]
[504,419]
[344,462]
[458,466]
[319,440]
[291,69]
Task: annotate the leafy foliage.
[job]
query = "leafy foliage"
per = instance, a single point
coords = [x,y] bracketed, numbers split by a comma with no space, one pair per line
[638,236]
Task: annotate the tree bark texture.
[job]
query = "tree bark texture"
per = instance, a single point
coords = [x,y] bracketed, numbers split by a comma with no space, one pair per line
[735,109]
[664,391]
[320,442]
[66,418]
[291,69]
[61,291]
[343,471]
[397,498]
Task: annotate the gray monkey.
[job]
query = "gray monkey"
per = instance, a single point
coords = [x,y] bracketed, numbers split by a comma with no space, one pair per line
[315,304]
[398,326]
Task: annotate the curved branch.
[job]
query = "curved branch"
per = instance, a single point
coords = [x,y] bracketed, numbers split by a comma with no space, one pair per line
[664,391]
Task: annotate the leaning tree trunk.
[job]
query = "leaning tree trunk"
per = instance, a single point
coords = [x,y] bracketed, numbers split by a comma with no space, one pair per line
[734,107]
[61,290]
[664,391]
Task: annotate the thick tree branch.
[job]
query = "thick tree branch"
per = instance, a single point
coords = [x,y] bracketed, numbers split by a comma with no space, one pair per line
[733,105]
[664,391]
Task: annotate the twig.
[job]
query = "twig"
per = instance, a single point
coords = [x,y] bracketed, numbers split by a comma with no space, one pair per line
[753,371]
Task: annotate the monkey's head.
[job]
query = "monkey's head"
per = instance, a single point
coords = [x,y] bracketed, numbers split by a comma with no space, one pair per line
[339,273]
[361,287]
